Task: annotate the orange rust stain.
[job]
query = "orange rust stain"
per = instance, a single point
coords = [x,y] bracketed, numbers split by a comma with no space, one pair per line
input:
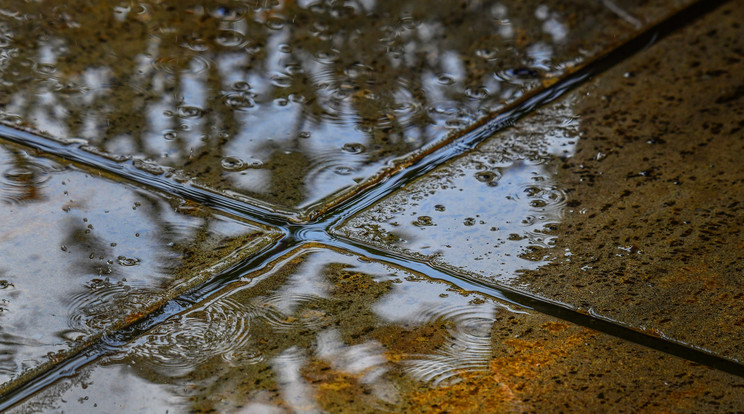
[473,394]
[554,326]
[337,391]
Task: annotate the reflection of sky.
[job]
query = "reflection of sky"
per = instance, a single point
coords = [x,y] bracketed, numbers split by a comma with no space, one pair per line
[88,242]
[263,90]
[484,211]
[411,303]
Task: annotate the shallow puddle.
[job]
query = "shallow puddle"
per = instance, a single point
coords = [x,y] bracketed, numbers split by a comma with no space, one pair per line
[616,207]
[286,102]
[490,212]
[635,215]
[82,255]
[327,331]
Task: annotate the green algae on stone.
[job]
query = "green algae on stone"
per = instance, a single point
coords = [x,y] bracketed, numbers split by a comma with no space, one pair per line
[642,223]
[323,330]
[288,102]
[83,255]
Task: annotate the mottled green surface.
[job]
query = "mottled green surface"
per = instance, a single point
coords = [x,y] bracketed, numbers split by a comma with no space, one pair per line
[81,255]
[287,102]
[326,331]
[625,199]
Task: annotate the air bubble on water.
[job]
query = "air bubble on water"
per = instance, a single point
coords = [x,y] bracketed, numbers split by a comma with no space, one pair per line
[170,135]
[343,170]
[423,221]
[353,148]
[127,261]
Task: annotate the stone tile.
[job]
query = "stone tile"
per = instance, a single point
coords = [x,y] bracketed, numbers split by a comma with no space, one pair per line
[82,254]
[327,331]
[289,103]
[623,200]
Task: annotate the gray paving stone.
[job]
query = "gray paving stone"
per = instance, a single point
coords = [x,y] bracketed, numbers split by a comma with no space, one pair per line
[623,200]
[83,254]
[328,331]
[287,103]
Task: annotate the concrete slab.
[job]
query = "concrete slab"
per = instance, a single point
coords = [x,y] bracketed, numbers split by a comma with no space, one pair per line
[623,200]
[291,103]
[82,255]
[328,331]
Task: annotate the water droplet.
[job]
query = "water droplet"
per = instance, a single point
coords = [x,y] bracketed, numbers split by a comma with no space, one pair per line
[170,135]
[241,86]
[275,23]
[469,221]
[423,221]
[343,170]
[230,38]
[233,164]
[239,101]
[127,261]
[446,80]
[186,111]
[538,203]
[353,148]
[486,176]
[281,81]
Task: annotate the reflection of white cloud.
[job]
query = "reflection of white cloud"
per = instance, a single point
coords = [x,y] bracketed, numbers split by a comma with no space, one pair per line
[295,390]
[366,360]
[468,347]
[306,282]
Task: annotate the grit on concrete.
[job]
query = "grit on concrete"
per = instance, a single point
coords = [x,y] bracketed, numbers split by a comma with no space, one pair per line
[621,201]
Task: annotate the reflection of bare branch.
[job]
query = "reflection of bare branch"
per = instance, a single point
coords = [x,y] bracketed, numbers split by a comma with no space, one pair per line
[622,13]
[398,72]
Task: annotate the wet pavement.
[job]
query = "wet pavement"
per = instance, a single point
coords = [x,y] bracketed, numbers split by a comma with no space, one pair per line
[281,207]
[292,104]
[618,199]
[84,255]
[329,331]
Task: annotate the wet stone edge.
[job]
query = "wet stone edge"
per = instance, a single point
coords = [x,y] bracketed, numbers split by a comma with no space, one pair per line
[169,180]
[181,285]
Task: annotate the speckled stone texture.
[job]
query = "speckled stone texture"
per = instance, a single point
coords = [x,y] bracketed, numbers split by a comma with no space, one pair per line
[328,331]
[637,211]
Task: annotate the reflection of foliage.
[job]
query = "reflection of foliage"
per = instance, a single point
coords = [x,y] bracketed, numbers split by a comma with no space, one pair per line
[326,335]
[179,82]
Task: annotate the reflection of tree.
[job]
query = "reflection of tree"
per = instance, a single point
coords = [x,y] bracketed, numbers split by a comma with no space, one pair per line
[307,336]
[83,255]
[180,82]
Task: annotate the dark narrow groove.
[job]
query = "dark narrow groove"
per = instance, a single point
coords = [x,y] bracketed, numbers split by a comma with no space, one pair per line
[555,309]
[127,171]
[510,116]
[317,230]
[115,340]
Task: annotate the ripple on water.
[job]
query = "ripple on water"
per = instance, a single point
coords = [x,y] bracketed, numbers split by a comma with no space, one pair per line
[23,179]
[180,344]
[467,349]
[103,302]
[306,312]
